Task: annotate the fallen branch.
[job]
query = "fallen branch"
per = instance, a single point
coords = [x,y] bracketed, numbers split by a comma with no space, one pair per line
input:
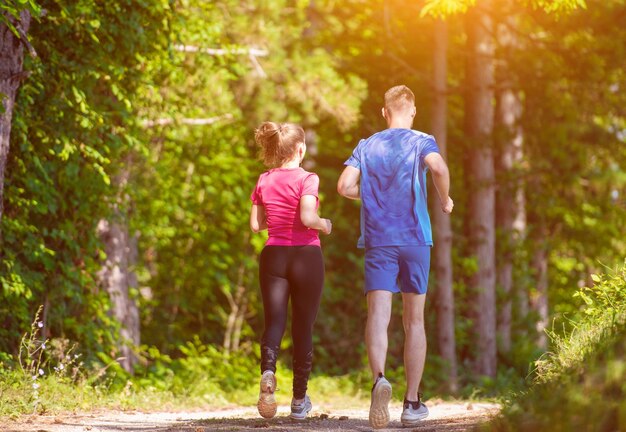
[185,121]
[222,51]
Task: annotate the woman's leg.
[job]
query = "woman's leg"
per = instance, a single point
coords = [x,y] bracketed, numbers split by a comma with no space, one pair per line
[275,292]
[306,277]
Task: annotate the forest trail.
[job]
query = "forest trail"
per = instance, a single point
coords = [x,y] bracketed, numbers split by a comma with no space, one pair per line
[444,416]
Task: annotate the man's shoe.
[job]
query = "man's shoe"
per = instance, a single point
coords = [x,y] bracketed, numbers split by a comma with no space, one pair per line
[381,395]
[414,411]
[300,410]
[267,402]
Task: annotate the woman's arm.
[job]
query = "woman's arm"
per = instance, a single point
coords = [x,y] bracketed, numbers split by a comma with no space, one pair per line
[309,216]
[257,218]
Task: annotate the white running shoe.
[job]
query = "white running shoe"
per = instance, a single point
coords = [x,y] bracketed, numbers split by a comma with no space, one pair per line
[267,403]
[381,395]
[413,412]
[300,410]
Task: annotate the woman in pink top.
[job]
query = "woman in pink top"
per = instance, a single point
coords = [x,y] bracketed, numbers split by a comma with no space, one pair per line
[291,265]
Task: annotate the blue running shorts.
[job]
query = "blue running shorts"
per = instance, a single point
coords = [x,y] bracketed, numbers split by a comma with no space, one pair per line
[397,269]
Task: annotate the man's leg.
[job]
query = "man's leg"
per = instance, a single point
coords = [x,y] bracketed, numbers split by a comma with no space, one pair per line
[378,316]
[414,342]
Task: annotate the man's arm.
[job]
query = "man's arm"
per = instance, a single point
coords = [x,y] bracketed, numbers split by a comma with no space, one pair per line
[348,184]
[441,179]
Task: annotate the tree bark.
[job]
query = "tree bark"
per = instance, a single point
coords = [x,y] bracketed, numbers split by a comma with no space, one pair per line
[238,306]
[11,75]
[442,251]
[539,300]
[510,199]
[118,276]
[481,180]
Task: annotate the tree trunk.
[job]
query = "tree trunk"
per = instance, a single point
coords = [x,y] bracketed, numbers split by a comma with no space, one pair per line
[238,307]
[510,200]
[442,252]
[481,182]
[11,74]
[118,276]
[539,300]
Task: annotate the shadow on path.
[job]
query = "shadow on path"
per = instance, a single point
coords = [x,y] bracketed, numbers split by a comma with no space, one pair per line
[319,423]
[445,417]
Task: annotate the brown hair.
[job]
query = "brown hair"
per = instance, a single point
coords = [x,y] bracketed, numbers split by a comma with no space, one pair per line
[398,99]
[278,142]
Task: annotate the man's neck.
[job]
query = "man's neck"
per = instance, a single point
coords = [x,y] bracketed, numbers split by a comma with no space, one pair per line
[400,123]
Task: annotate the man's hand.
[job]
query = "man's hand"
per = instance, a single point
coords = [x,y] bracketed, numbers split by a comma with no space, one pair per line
[328,226]
[448,206]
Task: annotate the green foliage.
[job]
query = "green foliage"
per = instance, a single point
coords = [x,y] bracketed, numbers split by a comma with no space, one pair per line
[446,8]
[557,6]
[607,295]
[12,8]
[113,93]
[73,121]
[191,202]
[580,383]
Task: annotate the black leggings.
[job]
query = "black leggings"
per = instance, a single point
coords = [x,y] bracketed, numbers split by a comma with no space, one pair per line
[296,272]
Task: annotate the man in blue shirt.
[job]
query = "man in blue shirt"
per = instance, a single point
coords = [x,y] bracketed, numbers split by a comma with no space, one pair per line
[387,171]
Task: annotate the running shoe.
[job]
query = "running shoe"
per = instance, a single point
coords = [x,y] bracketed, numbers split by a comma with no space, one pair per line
[300,410]
[414,411]
[267,402]
[381,395]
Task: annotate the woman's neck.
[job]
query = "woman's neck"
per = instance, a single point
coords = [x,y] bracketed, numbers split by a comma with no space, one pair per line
[294,163]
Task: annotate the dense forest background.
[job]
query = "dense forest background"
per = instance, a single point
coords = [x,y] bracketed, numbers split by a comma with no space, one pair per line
[131,158]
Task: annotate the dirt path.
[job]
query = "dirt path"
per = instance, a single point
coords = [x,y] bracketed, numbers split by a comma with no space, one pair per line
[444,416]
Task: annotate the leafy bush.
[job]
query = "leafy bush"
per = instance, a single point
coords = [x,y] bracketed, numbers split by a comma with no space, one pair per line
[581,384]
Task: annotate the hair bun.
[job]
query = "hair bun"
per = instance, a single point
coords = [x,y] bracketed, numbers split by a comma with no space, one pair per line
[267,130]
[278,141]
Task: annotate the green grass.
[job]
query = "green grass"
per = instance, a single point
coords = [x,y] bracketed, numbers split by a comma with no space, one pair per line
[17,396]
[580,384]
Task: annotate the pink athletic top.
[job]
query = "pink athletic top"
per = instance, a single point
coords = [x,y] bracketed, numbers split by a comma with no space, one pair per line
[279,191]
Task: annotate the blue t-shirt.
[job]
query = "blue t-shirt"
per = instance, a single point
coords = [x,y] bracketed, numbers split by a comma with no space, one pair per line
[394,209]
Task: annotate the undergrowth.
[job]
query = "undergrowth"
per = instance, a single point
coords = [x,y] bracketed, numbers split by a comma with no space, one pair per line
[581,383]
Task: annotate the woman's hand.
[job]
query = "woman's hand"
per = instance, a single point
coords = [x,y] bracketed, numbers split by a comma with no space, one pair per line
[327,226]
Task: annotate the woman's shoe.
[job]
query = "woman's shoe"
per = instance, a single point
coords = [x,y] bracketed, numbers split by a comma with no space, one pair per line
[267,402]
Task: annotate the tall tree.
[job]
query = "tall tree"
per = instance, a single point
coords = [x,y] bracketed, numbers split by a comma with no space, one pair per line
[442,251]
[481,180]
[14,25]
[510,200]
[117,275]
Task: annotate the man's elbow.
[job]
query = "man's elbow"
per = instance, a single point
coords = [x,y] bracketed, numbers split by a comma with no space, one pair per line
[439,169]
[342,189]
[255,227]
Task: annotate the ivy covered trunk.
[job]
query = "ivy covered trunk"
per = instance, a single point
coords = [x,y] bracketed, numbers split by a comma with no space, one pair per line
[11,74]
[481,181]
[442,252]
